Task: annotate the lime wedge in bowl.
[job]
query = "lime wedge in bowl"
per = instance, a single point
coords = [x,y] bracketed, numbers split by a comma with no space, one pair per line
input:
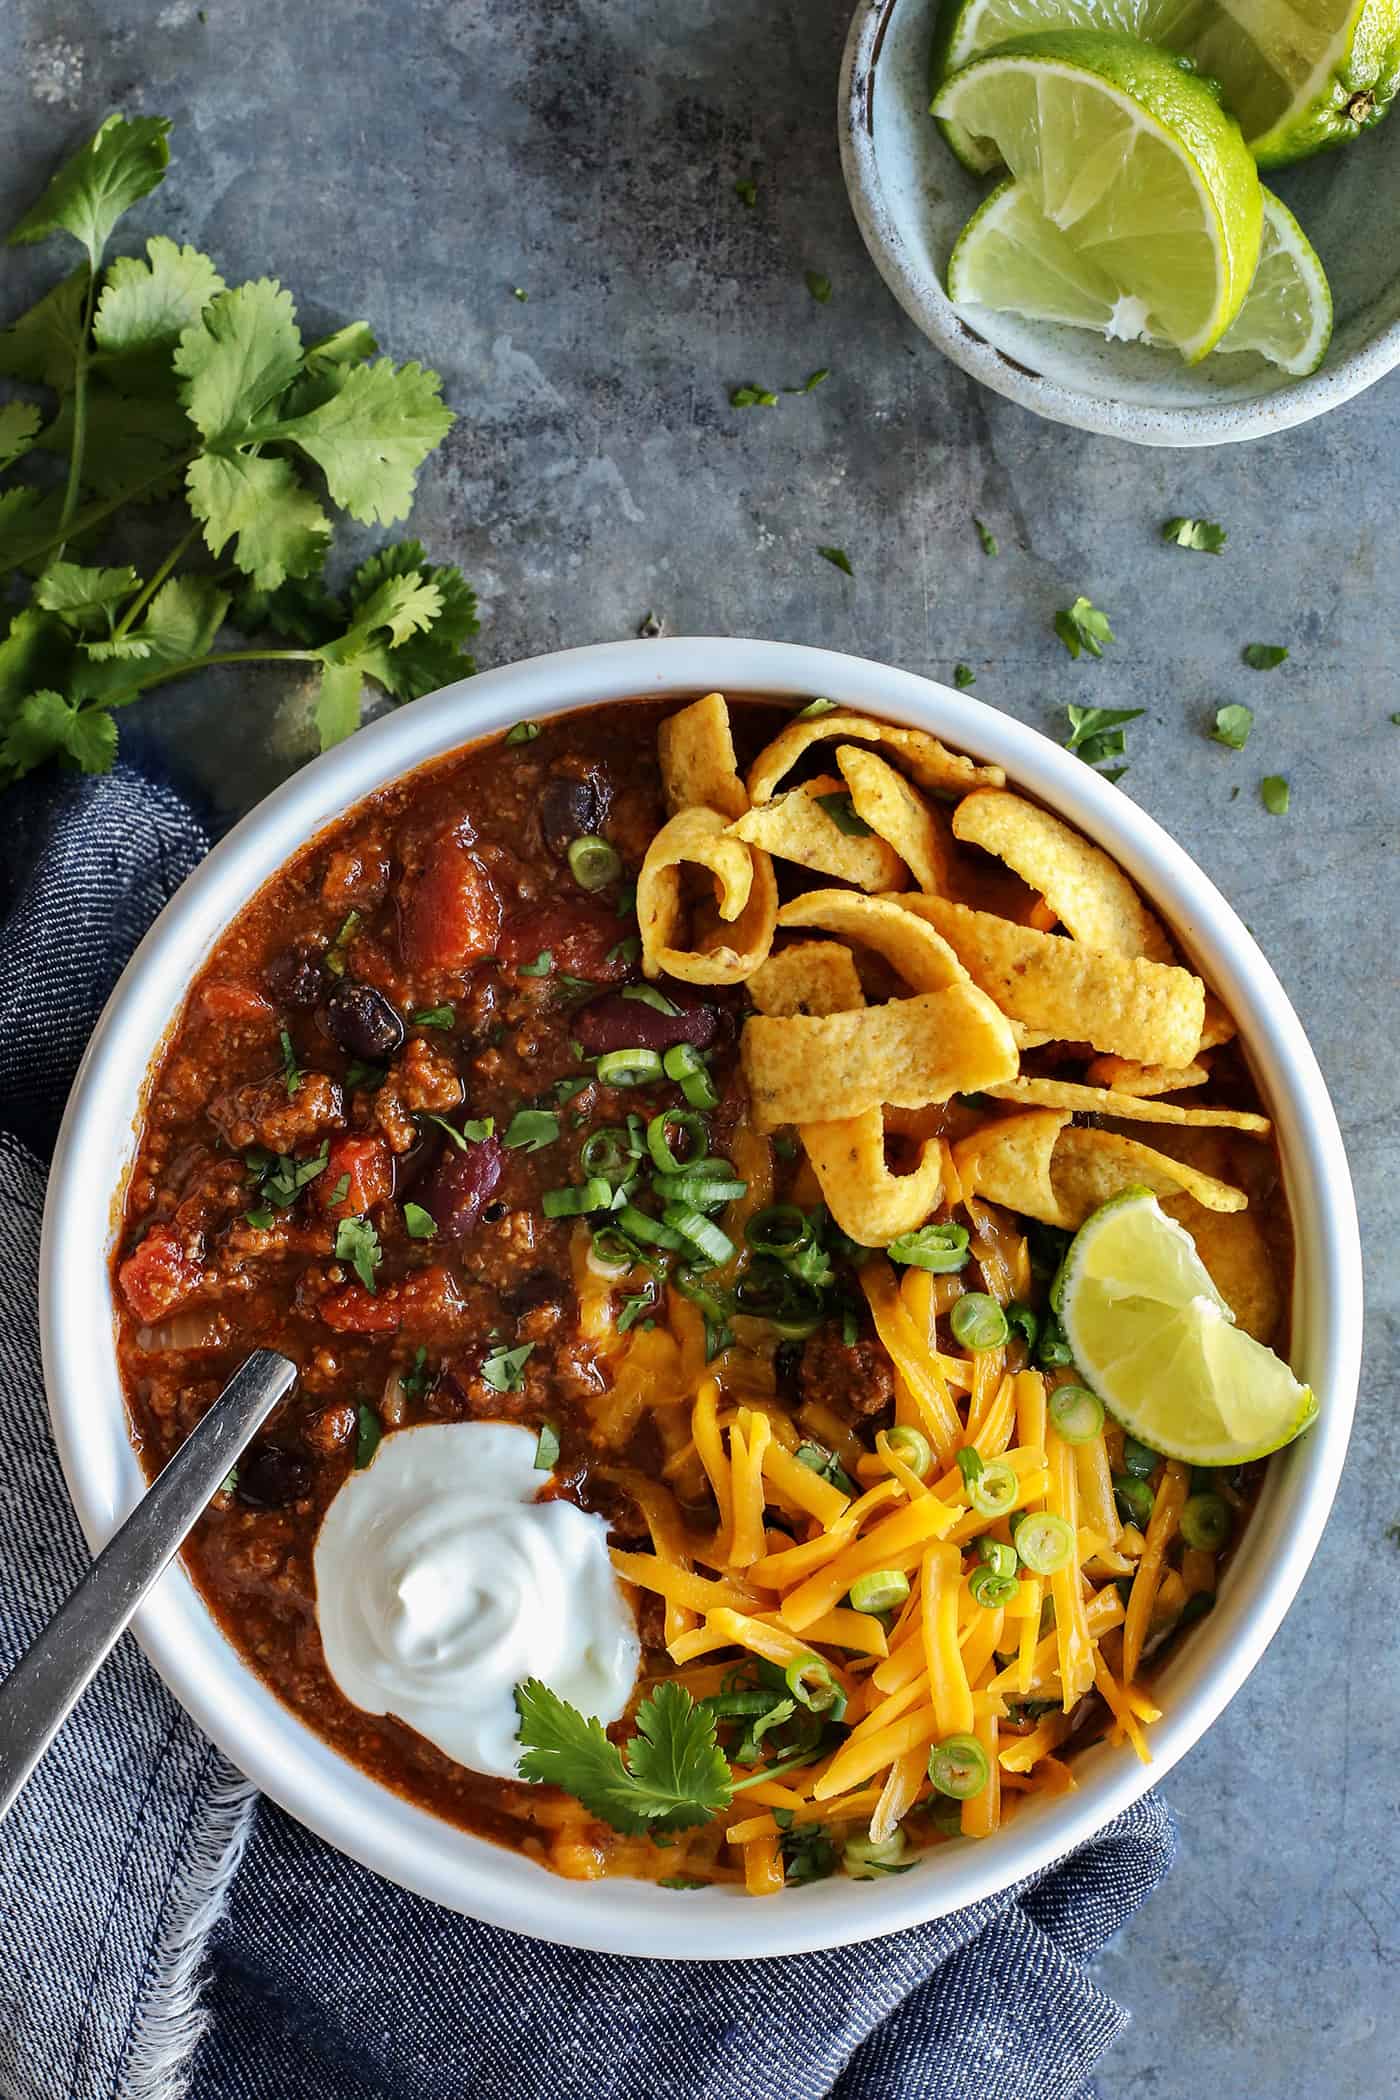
[1134,162]
[1297,81]
[1009,257]
[1155,1340]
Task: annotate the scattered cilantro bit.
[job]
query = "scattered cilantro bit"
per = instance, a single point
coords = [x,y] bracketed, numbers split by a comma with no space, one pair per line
[752,397]
[565,1089]
[1082,626]
[476,1130]
[626,951]
[419,1224]
[1263,656]
[519,292]
[1232,725]
[839,559]
[1395,719]
[626,899]
[522,733]
[369,1433]
[813,709]
[819,285]
[650,995]
[1199,534]
[679,1881]
[335,955]
[281,1177]
[531,1129]
[970,1465]
[541,966]
[632,1310]
[987,537]
[1096,733]
[416,1381]
[260,1220]
[434,1017]
[340,1191]
[964,676]
[504,1369]
[357,1242]
[825,1463]
[546,1447]
[813,379]
[809,1853]
[842,813]
[291,1070]
[675,1775]
[229,1482]
[1273,793]
[746,190]
[650,628]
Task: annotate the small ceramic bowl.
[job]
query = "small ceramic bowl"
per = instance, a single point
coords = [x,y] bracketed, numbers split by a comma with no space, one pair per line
[912,198]
[299,1769]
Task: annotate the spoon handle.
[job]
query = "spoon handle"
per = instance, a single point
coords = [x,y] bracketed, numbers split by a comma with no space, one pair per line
[46,1683]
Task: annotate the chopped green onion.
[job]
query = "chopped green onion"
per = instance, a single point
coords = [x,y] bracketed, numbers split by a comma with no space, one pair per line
[612,1251]
[593,863]
[959,1767]
[866,1859]
[691,1285]
[941,1249]
[648,995]
[700,1231]
[995,1489]
[991,1590]
[523,733]
[629,1067]
[978,1322]
[881,1590]
[1139,1459]
[1206,1522]
[434,1017]
[639,1226]
[779,1229]
[531,1129]
[1134,1499]
[595,1194]
[687,1124]
[541,966]
[813,1686]
[1044,1541]
[913,1447]
[1052,1349]
[684,1064]
[813,709]
[703,1191]
[997,1555]
[1076,1413]
[546,1448]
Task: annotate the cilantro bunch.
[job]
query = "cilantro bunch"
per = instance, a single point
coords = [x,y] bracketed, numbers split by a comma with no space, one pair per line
[169,383]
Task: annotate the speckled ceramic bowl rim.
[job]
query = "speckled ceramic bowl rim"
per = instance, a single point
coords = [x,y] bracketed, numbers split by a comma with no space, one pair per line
[301,1772]
[927,304]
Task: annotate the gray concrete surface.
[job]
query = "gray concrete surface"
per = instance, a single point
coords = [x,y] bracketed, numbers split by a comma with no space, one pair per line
[414,165]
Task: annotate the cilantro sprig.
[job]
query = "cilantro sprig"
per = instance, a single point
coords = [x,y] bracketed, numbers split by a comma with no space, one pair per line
[168,382]
[674,1775]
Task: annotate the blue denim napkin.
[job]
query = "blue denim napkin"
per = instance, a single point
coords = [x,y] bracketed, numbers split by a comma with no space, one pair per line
[139,1960]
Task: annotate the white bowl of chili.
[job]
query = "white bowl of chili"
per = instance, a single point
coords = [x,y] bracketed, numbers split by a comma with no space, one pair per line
[298,1768]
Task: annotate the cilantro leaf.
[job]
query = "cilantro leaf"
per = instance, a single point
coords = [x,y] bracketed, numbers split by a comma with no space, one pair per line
[546,1448]
[964,676]
[123,161]
[372,436]
[236,358]
[279,528]
[42,345]
[1264,656]
[531,1129]
[369,1435]
[419,1224]
[422,661]
[1232,726]
[146,307]
[36,653]
[84,598]
[818,285]
[987,537]
[47,725]
[839,559]
[183,618]
[1082,626]
[131,438]
[19,424]
[1096,732]
[504,1369]
[1273,793]
[357,1242]
[675,1777]
[1199,534]
[337,710]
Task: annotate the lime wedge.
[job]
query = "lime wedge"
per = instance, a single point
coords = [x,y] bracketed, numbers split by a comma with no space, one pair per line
[1135,164]
[1156,1341]
[1009,257]
[1297,80]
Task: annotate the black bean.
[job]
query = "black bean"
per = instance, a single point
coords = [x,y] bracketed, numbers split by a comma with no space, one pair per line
[270,1477]
[540,1287]
[362,1021]
[570,808]
[295,978]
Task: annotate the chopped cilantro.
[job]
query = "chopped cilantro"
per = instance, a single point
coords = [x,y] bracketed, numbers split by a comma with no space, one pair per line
[819,285]
[1096,733]
[565,1089]
[434,1017]
[546,1447]
[335,954]
[1232,725]
[368,1435]
[523,733]
[1273,793]
[632,1310]
[1082,626]
[260,1220]
[964,676]
[680,1881]
[340,1191]
[416,1381]
[504,1369]
[419,1224]
[531,1129]
[746,190]
[751,396]
[813,379]
[359,1073]
[541,966]
[842,813]
[1263,656]
[357,1242]
[1199,534]
[291,1070]
[519,292]
[987,537]
[648,995]
[839,559]
[626,951]
[477,1130]
[281,1177]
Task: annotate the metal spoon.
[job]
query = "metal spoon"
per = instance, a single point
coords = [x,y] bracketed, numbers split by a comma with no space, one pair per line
[40,1692]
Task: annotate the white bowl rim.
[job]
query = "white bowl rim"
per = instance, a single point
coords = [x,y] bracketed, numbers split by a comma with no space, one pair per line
[296,1768]
[927,304]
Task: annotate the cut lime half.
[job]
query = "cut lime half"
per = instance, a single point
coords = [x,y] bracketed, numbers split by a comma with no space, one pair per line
[1134,164]
[1156,1341]
[1297,80]
[1010,258]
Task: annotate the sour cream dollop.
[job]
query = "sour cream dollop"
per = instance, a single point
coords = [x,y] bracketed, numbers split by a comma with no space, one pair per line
[442,1583]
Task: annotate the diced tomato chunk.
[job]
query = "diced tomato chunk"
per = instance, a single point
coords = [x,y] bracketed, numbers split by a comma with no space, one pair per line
[430,1304]
[580,939]
[158,1276]
[365,1165]
[354,1310]
[226,1000]
[449,913]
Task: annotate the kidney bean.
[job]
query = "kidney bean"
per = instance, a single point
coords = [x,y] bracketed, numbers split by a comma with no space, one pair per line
[363,1023]
[615,1023]
[270,1477]
[455,1190]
